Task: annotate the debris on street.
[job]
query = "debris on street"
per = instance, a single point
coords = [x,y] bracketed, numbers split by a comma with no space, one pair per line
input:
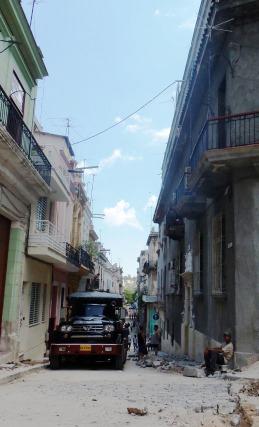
[137,411]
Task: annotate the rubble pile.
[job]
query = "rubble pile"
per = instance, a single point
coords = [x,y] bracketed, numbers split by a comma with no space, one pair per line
[174,364]
[251,389]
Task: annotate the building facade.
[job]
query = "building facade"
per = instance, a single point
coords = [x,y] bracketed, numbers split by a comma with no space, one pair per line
[24,169]
[150,296]
[208,271]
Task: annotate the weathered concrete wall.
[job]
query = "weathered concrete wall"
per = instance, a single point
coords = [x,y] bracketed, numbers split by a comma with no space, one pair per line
[246,197]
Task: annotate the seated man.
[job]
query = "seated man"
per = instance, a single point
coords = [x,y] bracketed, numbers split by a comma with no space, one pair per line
[220,355]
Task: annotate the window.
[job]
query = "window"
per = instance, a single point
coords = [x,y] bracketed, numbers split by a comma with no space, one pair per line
[35,304]
[218,255]
[44,300]
[18,93]
[41,213]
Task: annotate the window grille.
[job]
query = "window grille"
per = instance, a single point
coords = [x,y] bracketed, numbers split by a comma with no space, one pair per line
[41,213]
[35,304]
[44,300]
[218,255]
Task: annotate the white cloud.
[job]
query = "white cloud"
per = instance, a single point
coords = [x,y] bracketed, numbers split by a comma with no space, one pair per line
[151,203]
[108,161]
[115,157]
[141,119]
[133,128]
[188,24]
[168,14]
[117,119]
[142,125]
[122,214]
[158,135]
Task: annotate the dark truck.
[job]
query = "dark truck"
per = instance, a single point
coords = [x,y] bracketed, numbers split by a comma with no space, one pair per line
[93,329]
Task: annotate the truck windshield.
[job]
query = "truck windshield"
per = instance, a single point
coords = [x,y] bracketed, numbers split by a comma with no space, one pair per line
[88,310]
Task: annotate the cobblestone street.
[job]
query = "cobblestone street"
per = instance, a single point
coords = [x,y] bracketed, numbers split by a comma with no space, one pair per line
[100,396]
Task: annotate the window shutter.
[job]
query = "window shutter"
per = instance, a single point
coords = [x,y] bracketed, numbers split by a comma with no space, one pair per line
[35,304]
[44,300]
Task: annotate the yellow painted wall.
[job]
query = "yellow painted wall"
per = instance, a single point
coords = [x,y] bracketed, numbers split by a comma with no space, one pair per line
[32,338]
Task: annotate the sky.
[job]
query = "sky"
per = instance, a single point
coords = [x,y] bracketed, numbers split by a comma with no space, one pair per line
[106,58]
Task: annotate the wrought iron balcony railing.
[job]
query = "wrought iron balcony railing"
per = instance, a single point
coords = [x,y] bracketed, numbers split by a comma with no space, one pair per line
[86,260]
[225,132]
[73,255]
[11,119]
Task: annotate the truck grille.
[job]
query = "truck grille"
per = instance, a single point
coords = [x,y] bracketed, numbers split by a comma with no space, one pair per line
[87,329]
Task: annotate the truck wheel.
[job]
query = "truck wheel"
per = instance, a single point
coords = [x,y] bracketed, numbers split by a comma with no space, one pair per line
[54,362]
[118,363]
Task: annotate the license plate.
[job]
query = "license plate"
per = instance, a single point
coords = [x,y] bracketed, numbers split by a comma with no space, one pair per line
[108,348]
[85,347]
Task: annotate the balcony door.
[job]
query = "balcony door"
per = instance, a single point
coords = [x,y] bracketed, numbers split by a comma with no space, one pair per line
[222,113]
[5,225]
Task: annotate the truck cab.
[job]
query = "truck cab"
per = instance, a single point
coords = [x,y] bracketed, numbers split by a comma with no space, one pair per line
[93,329]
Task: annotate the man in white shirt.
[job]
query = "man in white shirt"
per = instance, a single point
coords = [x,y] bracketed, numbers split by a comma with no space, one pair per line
[219,355]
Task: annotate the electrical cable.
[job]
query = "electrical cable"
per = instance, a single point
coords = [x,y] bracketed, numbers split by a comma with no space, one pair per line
[129,115]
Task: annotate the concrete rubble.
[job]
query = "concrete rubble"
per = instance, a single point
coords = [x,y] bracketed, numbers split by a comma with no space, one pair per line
[174,364]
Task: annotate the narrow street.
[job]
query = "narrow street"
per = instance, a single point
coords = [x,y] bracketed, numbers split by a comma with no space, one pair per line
[100,396]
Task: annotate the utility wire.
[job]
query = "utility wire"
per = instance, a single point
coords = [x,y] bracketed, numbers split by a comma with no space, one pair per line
[129,115]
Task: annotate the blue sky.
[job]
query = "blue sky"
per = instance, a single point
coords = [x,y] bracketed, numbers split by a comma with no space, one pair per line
[105,58]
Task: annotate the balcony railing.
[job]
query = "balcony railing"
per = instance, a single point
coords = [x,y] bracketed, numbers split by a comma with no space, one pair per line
[86,260]
[12,120]
[225,132]
[45,234]
[73,255]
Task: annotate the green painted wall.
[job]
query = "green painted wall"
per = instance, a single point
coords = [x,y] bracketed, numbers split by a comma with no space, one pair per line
[14,275]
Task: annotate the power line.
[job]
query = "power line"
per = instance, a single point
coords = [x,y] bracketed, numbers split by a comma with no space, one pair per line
[129,115]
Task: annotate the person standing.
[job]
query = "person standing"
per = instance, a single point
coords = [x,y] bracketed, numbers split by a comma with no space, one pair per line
[142,348]
[155,340]
[135,343]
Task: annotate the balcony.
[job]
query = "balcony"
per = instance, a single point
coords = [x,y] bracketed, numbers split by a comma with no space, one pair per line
[225,143]
[72,255]
[86,261]
[18,145]
[174,226]
[149,266]
[47,244]
[187,203]
[60,177]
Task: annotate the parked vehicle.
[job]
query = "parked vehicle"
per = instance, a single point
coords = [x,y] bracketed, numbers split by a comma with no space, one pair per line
[93,330]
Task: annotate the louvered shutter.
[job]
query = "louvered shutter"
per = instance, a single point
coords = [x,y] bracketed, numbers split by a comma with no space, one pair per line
[35,304]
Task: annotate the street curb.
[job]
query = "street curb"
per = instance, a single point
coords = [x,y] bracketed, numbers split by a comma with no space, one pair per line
[232,377]
[16,376]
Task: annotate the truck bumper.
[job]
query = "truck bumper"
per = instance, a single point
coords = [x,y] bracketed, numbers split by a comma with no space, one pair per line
[86,350]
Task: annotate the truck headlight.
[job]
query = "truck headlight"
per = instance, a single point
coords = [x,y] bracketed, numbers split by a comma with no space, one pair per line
[109,328]
[66,328]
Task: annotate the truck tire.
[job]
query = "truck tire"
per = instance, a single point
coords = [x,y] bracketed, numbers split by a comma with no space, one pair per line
[118,363]
[54,362]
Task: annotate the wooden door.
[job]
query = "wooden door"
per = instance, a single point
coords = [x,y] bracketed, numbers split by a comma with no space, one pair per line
[5,226]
